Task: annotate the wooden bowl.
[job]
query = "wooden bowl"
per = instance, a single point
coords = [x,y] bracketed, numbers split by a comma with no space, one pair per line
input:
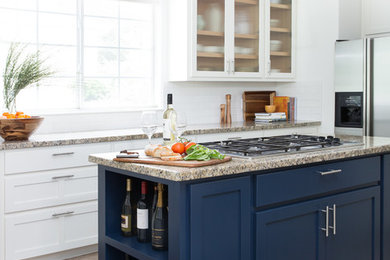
[19,129]
[270,108]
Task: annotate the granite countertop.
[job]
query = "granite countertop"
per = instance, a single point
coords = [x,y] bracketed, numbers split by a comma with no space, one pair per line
[367,146]
[135,134]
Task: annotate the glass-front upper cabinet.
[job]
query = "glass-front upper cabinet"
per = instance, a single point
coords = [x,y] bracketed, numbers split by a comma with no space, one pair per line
[280,38]
[246,36]
[210,46]
[232,40]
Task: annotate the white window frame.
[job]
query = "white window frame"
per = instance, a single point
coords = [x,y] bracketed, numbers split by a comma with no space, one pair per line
[79,77]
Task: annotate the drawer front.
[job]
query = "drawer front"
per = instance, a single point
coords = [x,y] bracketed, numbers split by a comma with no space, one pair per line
[50,188]
[38,159]
[51,230]
[290,185]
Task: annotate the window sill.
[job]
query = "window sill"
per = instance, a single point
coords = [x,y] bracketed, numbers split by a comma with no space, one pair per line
[92,111]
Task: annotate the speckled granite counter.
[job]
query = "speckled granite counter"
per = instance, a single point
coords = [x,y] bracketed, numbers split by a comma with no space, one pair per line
[135,134]
[368,146]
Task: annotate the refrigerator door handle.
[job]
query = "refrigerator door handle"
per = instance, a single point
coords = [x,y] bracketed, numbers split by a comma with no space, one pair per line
[367,89]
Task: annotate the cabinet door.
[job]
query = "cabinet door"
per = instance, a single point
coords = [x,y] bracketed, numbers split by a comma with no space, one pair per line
[296,232]
[291,232]
[220,220]
[376,16]
[211,38]
[280,38]
[248,52]
[386,208]
[357,234]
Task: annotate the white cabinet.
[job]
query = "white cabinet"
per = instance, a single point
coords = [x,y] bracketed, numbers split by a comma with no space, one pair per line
[376,17]
[51,188]
[46,231]
[50,200]
[232,40]
[48,158]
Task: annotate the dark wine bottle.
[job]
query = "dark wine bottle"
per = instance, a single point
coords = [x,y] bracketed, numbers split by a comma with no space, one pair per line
[160,222]
[143,215]
[155,195]
[126,212]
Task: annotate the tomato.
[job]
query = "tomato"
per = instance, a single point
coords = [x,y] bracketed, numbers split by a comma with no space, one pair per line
[189,145]
[178,148]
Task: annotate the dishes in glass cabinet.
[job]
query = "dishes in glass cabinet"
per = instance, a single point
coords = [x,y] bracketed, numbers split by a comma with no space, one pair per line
[213,49]
[214,18]
[274,22]
[275,45]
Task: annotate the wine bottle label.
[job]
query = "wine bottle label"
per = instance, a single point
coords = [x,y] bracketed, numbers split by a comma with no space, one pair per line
[142,218]
[166,130]
[159,238]
[125,222]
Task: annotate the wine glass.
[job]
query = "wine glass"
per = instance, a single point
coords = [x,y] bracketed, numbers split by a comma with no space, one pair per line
[149,123]
[181,124]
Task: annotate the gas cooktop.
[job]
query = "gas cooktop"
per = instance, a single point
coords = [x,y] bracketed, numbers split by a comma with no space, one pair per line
[254,147]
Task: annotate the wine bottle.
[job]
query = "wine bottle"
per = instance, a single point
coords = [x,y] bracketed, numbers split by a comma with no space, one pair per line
[142,216]
[160,223]
[169,122]
[126,212]
[155,195]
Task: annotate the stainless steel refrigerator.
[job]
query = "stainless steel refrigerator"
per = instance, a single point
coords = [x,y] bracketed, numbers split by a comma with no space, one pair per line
[362,87]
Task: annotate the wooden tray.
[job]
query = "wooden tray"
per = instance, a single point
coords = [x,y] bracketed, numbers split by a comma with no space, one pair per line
[157,161]
[255,102]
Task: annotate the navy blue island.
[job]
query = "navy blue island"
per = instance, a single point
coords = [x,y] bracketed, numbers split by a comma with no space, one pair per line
[332,204]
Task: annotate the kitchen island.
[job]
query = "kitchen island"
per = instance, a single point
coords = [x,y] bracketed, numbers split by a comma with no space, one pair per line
[326,204]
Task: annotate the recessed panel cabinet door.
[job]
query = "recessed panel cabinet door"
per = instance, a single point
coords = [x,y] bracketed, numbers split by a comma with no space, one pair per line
[298,231]
[386,208]
[292,232]
[357,219]
[220,220]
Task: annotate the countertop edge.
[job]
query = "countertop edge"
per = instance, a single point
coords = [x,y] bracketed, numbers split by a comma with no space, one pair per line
[138,136]
[240,166]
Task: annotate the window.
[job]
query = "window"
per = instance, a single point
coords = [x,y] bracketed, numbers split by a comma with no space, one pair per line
[104,52]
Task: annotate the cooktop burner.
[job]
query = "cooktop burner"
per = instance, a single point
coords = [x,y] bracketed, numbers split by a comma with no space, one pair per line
[253,147]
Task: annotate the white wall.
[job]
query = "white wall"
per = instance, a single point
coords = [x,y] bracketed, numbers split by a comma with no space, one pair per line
[350,19]
[317,31]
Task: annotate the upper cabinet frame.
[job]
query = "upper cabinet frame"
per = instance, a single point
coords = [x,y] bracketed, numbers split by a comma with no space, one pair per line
[232,40]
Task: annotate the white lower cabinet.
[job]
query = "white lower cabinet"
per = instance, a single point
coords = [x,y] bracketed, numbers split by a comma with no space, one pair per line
[45,231]
[50,188]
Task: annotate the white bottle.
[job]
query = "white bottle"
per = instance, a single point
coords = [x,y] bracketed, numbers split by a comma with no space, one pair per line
[169,123]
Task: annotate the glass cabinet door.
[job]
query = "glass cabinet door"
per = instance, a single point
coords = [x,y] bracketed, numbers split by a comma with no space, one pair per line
[210,35]
[246,36]
[280,36]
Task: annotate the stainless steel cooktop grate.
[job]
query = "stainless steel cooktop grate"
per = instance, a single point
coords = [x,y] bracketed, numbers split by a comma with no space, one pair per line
[253,147]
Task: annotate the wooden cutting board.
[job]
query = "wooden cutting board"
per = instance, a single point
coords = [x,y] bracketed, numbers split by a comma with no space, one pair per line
[158,161]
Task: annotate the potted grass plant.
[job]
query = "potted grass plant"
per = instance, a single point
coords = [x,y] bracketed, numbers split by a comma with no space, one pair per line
[21,71]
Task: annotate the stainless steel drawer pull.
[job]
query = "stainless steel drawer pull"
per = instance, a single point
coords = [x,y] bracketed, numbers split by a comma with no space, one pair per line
[61,154]
[326,229]
[334,219]
[331,172]
[55,215]
[62,177]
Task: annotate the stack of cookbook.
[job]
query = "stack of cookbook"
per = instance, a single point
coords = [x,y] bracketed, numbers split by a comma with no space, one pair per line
[270,117]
